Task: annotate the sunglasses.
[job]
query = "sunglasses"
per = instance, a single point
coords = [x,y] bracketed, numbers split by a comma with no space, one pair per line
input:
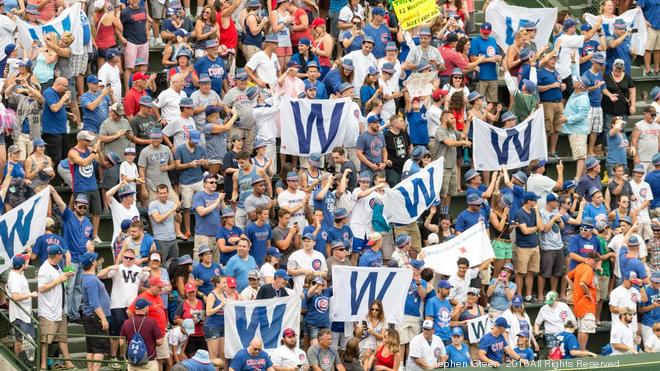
[585,229]
[375,310]
[653,114]
[129,257]
[81,207]
[458,77]
[211,182]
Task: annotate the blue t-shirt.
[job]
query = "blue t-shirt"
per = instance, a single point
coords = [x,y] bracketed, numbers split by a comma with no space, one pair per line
[650,318]
[381,36]
[355,45]
[327,205]
[418,127]
[192,365]
[622,51]
[226,234]
[440,310]
[596,95]
[259,237]
[92,120]
[53,122]
[344,234]
[488,48]
[653,179]
[215,69]
[617,145]
[650,11]
[40,248]
[332,81]
[494,346]
[628,265]
[200,272]
[321,238]
[529,219]
[458,357]
[317,308]
[94,295]
[76,233]
[321,93]
[371,258]
[567,342]
[597,213]
[208,224]
[366,92]
[527,353]
[582,246]
[546,77]
[413,300]
[238,268]
[517,192]
[588,47]
[336,5]
[244,361]
[467,219]
[183,154]
[372,146]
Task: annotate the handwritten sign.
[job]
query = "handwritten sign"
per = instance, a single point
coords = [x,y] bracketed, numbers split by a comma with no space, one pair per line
[412,13]
[420,84]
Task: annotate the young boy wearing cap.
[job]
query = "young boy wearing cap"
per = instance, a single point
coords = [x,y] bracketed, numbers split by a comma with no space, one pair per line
[124,209]
[177,339]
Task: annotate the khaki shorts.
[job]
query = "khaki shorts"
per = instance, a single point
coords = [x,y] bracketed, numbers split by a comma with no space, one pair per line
[163,350]
[449,182]
[157,10]
[578,144]
[172,196]
[587,324]
[49,327]
[24,144]
[150,366]
[553,112]
[527,259]
[208,241]
[412,230]
[409,328]
[188,191]
[602,292]
[489,90]
[388,245]
[652,39]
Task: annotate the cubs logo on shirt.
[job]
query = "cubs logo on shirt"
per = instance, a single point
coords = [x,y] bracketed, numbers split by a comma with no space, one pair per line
[563,315]
[324,235]
[88,232]
[437,352]
[301,356]
[634,298]
[87,171]
[316,264]
[322,304]
[325,361]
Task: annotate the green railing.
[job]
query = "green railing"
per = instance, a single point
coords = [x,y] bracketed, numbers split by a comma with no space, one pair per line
[81,363]
[529,3]
[25,354]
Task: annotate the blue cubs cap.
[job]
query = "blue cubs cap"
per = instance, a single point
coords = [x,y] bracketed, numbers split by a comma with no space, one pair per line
[281,273]
[570,22]
[209,110]
[588,222]
[38,142]
[308,236]
[314,159]
[372,71]
[501,322]
[309,85]
[142,303]
[374,118]
[10,48]
[583,81]
[470,174]
[444,284]
[211,44]
[377,11]
[87,259]
[525,54]
[273,251]
[486,27]
[530,196]
[633,241]
[292,63]
[591,162]
[529,85]
[423,66]
[54,250]
[337,244]
[473,199]
[312,64]
[125,224]
[364,177]
[241,74]
[550,197]
[92,79]
[524,333]
[585,27]
[417,264]
[228,212]
[457,331]
[568,184]
[195,136]
[258,143]
[125,192]
[81,198]
[457,71]
[111,53]
[341,213]
[18,261]
[305,41]
[655,277]
[539,164]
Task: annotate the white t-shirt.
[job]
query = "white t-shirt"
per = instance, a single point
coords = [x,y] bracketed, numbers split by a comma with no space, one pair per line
[301,259]
[362,63]
[168,103]
[179,128]
[288,199]
[362,214]
[284,356]
[622,297]
[615,245]
[621,334]
[541,185]
[249,293]
[420,348]
[569,45]
[353,125]
[176,338]
[647,144]
[265,68]
[18,284]
[433,119]
[459,285]
[266,270]
[346,14]
[393,83]
[642,192]
[125,284]
[109,75]
[130,171]
[50,302]
[7,28]
[119,213]
[554,318]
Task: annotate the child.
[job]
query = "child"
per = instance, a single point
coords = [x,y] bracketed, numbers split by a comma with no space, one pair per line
[317,297]
[119,240]
[523,349]
[128,170]
[177,339]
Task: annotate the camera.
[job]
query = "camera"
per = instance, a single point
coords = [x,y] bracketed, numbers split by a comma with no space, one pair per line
[633,30]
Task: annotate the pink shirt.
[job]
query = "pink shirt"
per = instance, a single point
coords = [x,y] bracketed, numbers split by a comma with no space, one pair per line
[292,87]
[452,59]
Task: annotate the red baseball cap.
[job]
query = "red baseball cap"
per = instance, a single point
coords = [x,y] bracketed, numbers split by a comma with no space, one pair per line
[318,22]
[231,282]
[189,287]
[154,281]
[140,76]
[439,93]
[289,332]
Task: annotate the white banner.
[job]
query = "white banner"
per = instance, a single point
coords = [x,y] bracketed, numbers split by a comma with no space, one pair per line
[420,84]
[265,319]
[472,244]
[72,19]
[362,285]
[634,19]
[22,226]
[508,19]
[411,197]
[478,327]
[514,147]
[315,126]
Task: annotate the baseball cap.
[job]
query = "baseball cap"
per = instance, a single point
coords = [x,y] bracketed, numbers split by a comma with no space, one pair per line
[377,11]
[374,118]
[424,31]
[85,135]
[118,108]
[374,238]
[427,324]
[308,236]
[231,282]
[142,303]
[530,86]
[444,284]
[438,94]
[594,190]
[129,150]
[570,22]
[501,322]
[92,79]
[474,95]
[509,267]
[189,287]
[87,259]
[253,274]
[417,264]
[38,142]
[50,222]
[551,297]
[154,257]
[568,184]
[517,301]
[318,22]
[204,79]
[288,332]
[281,273]
[156,133]
[457,331]
[195,136]
[655,93]
[598,57]
[530,196]
[273,251]
[155,281]
[418,152]
[620,63]
[529,25]
[486,28]
[54,250]
[633,241]
[111,53]
[188,325]
[550,197]
[18,261]
[271,38]
[388,68]
[433,239]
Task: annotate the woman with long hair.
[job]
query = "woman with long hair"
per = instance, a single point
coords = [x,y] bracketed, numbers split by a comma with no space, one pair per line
[370,88]
[501,291]
[104,27]
[214,326]
[607,9]
[469,311]
[181,274]
[519,322]
[513,61]
[373,328]
[322,47]
[228,236]
[270,265]
[281,21]
[39,166]
[227,33]
[351,38]
[351,356]
[337,76]
[457,83]
[192,307]
[387,356]
[457,7]
[185,68]
[254,27]
[500,229]
[206,29]
[43,62]
[623,210]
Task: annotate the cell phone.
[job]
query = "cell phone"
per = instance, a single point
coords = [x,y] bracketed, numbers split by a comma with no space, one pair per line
[634,30]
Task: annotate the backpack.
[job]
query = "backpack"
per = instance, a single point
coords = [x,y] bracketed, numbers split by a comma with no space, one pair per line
[136,353]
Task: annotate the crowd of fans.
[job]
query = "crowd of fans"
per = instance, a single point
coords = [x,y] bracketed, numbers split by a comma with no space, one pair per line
[191,153]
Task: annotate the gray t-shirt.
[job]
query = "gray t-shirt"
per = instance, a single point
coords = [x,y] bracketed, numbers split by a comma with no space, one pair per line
[326,359]
[252,202]
[280,234]
[238,99]
[150,159]
[443,150]
[372,146]
[550,240]
[111,127]
[141,127]
[200,99]
[163,231]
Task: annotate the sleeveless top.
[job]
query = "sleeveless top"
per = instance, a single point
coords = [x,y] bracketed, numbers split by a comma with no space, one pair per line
[250,39]
[323,61]
[245,185]
[228,36]
[311,179]
[42,70]
[202,43]
[466,316]
[617,219]
[83,176]
[105,35]
[382,360]
[256,162]
[42,178]
[284,35]
[494,233]
[217,319]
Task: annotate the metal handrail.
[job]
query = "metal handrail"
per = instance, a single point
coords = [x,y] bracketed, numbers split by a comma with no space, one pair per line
[123,364]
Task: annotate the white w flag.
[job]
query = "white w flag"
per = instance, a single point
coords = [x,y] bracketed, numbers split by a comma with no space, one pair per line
[360,286]
[514,147]
[22,226]
[507,19]
[478,327]
[472,244]
[315,126]
[72,19]
[265,319]
[634,18]
[412,196]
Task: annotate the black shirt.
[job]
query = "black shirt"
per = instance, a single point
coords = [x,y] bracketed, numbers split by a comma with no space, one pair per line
[268,292]
[397,149]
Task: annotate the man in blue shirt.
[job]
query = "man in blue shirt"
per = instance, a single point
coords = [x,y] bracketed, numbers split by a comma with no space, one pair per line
[96,307]
[596,84]
[95,104]
[342,232]
[484,45]
[568,343]
[189,159]
[596,208]
[590,179]
[589,47]
[240,265]
[40,248]
[212,65]
[313,74]
[207,205]
[253,358]
[475,185]
[372,256]
[650,308]
[440,311]
[260,233]
[528,256]
[628,258]
[582,244]
[653,179]
[550,89]
[378,31]
[54,119]
[493,345]
[371,149]
[618,46]
[474,213]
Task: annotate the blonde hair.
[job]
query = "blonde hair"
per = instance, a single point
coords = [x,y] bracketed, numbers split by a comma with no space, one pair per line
[67,38]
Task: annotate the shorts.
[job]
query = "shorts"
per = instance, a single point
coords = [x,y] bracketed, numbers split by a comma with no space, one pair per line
[595,119]
[388,245]
[578,144]
[568,81]
[488,89]
[409,328]
[209,241]
[94,202]
[211,333]
[502,249]
[25,328]
[163,351]
[358,244]
[602,292]
[587,324]
[528,259]
[150,366]
[96,345]
[312,331]
[117,318]
[157,10]
[24,144]
[188,191]
[48,328]
[78,63]
[110,177]
[169,250]
[286,51]
[412,230]
[652,39]
[552,263]
[249,51]
[449,182]
[134,51]
[552,113]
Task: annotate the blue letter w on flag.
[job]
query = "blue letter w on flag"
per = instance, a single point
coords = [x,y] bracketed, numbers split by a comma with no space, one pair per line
[20,228]
[304,131]
[419,187]
[270,331]
[357,295]
[512,136]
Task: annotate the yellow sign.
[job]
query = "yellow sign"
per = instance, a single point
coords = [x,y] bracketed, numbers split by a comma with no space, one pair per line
[412,13]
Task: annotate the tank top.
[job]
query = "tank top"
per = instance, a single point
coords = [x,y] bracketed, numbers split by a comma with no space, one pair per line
[323,61]
[217,319]
[284,35]
[229,35]
[382,360]
[494,233]
[262,165]
[42,178]
[466,316]
[617,219]
[83,176]
[245,185]
[201,44]
[42,70]
[105,35]
[250,39]
[311,179]
[196,313]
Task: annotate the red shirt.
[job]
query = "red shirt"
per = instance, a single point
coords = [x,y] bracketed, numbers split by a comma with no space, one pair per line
[186,311]
[157,309]
[227,36]
[132,101]
[452,59]
[148,329]
[297,35]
